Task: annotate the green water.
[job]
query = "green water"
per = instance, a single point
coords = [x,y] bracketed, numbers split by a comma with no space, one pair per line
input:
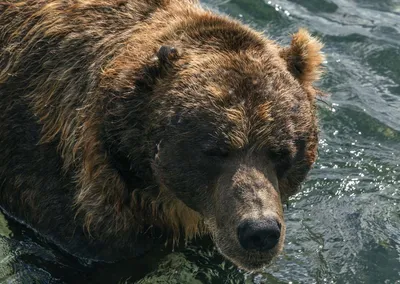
[344,227]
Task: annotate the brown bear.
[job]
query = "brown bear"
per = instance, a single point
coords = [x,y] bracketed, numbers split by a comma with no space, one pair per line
[126,123]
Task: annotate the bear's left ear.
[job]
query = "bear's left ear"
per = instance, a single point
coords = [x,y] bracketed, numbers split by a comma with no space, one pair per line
[167,54]
[303,57]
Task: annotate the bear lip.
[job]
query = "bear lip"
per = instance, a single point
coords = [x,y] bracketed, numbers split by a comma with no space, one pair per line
[255,261]
[254,265]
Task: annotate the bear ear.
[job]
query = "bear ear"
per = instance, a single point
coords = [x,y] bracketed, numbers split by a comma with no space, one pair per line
[167,54]
[304,57]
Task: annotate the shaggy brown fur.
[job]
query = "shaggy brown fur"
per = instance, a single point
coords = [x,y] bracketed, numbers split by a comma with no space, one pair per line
[128,115]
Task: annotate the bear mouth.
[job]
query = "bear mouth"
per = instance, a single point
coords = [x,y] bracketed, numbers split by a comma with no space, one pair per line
[239,247]
[250,261]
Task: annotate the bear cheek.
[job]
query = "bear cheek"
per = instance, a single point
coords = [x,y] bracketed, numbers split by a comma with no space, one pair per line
[185,176]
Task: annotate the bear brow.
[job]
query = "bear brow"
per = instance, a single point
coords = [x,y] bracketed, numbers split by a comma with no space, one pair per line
[260,131]
[251,124]
[238,134]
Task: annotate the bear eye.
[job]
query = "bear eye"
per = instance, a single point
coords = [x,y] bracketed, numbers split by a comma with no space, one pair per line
[216,152]
[278,154]
[282,161]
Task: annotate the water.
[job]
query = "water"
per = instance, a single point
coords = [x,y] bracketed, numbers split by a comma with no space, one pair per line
[344,227]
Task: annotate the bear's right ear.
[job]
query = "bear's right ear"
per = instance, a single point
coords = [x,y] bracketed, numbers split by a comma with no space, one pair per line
[303,57]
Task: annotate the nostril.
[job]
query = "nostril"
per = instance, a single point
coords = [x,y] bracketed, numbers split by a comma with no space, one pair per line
[260,235]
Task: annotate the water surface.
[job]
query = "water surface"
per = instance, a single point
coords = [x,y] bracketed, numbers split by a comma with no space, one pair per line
[344,226]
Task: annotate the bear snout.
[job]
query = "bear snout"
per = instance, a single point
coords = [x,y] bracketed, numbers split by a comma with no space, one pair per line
[259,235]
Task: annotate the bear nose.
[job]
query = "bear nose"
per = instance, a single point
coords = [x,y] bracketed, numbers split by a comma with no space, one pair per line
[259,235]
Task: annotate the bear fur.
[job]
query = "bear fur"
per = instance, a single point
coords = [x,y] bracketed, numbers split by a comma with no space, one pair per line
[127,122]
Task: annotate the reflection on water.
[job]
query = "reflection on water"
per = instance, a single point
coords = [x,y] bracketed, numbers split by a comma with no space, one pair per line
[344,226]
